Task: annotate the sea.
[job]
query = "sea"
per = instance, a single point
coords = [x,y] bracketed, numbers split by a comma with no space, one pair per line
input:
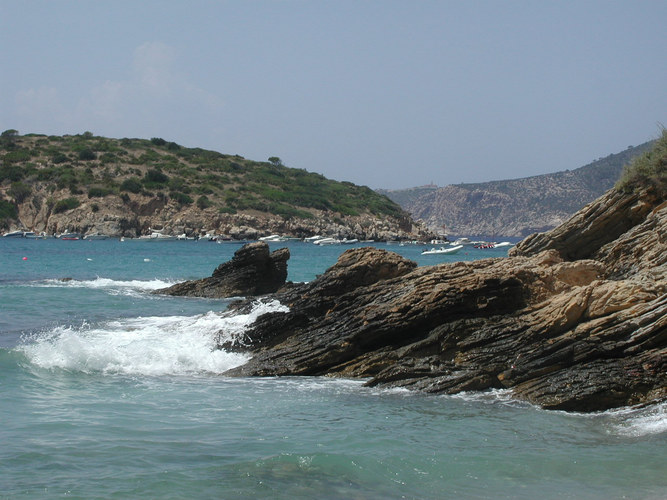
[108,391]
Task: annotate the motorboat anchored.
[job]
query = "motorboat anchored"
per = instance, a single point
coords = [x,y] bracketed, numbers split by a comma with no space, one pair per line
[67,235]
[443,250]
[35,236]
[327,241]
[272,238]
[14,234]
[156,236]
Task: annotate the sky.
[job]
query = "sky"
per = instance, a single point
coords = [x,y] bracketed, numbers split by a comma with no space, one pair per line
[384,93]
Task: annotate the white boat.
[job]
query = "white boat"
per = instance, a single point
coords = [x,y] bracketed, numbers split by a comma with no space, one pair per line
[155,236]
[462,241]
[67,235]
[503,244]
[349,242]
[13,234]
[273,237]
[184,237]
[34,236]
[96,236]
[313,239]
[327,241]
[443,250]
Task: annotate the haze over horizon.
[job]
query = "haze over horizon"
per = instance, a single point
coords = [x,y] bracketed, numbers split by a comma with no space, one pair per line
[389,94]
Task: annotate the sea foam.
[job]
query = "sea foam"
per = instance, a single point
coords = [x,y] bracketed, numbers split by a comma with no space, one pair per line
[642,421]
[110,285]
[172,345]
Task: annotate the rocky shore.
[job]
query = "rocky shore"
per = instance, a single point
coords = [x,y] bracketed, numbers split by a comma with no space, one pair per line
[575,319]
[140,216]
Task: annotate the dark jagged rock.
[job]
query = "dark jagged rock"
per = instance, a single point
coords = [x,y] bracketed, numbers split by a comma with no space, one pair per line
[574,320]
[252,271]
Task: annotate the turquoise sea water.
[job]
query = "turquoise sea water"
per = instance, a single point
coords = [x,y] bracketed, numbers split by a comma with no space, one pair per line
[107,391]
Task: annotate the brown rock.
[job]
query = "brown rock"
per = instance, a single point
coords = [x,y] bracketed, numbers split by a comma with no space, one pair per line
[576,319]
[252,271]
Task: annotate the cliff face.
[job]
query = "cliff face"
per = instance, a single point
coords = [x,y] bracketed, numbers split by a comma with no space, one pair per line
[514,208]
[575,319]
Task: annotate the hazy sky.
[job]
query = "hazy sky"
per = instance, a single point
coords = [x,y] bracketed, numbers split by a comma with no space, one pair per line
[390,94]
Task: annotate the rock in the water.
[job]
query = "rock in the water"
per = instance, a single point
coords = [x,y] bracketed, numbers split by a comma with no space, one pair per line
[574,320]
[252,271]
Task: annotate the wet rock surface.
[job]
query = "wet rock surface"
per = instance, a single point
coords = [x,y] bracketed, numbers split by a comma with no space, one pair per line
[575,319]
[253,270]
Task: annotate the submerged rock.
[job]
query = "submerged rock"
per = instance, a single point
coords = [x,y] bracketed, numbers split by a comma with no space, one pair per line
[575,319]
[252,271]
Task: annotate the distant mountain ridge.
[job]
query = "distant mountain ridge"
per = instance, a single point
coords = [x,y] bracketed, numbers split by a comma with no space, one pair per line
[516,207]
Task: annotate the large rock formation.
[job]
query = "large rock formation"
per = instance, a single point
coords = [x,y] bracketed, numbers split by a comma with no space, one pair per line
[575,319]
[252,271]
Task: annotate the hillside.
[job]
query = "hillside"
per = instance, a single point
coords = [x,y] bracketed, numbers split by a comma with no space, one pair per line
[513,208]
[89,184]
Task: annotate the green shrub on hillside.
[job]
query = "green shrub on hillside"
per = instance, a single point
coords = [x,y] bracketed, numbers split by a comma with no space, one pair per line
[181,198]
[65,204]
[133,185]
[203,202]
[647,170]
[108,158]
[8,213]
[12,173]
[19,191]
[154,177]
[18,156]
[87,155]
[59,158]
[99,192]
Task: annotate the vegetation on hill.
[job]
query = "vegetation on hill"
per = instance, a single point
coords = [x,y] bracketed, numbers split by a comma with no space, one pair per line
[648,169]
[74,168]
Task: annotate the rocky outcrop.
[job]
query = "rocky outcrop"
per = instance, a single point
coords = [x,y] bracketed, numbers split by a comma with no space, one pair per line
[252,271]
[596,225]
[575,319]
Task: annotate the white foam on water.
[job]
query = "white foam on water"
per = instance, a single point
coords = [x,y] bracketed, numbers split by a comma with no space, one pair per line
[173,345]
[113,287]
[107,283]
[638,422]
[236,324]
[493,396]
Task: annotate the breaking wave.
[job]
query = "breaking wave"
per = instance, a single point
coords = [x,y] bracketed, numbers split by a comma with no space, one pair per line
[172,345]
[110,285]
